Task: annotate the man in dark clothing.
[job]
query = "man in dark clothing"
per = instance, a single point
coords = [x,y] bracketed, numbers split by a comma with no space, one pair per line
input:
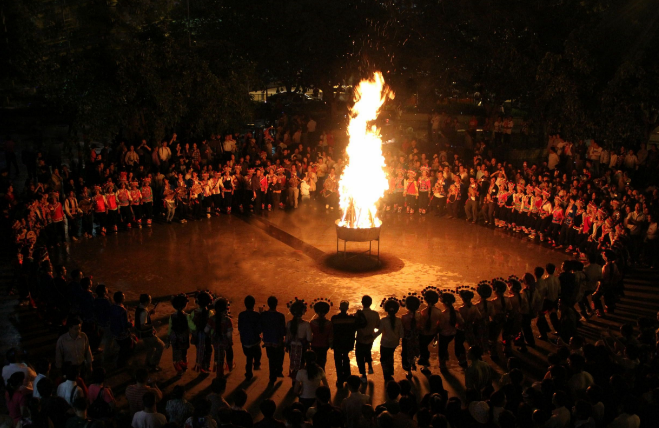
[268,408]
[54,407]
[240,417]
[273,326]
[344,328]
[323,408]
[249,327]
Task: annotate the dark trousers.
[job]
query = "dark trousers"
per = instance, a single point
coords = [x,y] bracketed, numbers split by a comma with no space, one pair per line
[275,361]
[252,357]
[424,352]
[321,355]
[527,332]
[443,343]
[541,323]
[387,362]
[460,351]
[363,356]
[125,351]
[342,363]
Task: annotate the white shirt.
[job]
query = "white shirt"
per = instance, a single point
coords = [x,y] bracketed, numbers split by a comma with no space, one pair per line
[560,418]
[164,153]
[66,391]
[553,288]
[552,161]
[35,393]
[309,386]
[12,368]
[143,419]
[626,421]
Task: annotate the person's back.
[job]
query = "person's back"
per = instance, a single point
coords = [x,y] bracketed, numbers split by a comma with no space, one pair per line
[149,416]
[240,417]
[343,328]
[351,406]
[268,408]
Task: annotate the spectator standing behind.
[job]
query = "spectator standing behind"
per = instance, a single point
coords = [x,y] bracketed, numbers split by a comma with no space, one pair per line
[309,379]
[16,359]
[370,321]
[273,326]
[479,374]
[344,328]
[69,389]
[249,327]
[73,346]
[147,333]
[120,329]
[136,392]
[99,391]
[149,416]
[164,155]
[80,419]
[351,406]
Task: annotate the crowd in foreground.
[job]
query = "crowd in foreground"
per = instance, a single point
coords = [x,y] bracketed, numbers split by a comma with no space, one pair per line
[609,382]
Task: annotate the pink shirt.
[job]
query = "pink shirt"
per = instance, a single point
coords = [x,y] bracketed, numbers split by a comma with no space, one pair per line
[94,389]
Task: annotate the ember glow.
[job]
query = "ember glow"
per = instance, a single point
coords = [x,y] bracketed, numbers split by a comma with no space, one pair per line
[364,181]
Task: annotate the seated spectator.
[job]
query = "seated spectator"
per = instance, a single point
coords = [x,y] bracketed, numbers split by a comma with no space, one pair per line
[80,419]
[178,409]
[218,386]
[149,417]
[225,417]
[319,414]
[241,417]
[268,408]
[134,393]
[201,417]
[53,407]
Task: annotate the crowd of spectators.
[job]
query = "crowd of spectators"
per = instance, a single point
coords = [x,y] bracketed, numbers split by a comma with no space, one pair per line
[600,209]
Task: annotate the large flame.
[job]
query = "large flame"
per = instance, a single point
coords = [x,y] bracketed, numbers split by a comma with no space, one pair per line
[364,181]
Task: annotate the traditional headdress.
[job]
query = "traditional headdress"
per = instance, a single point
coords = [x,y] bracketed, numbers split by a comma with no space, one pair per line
[411,172]
[321,305]
[499,285]
[484,289]
[180,301]
[297,307]
[391,304]
[412,301]
[447,297]
[431,294]
[465,292]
